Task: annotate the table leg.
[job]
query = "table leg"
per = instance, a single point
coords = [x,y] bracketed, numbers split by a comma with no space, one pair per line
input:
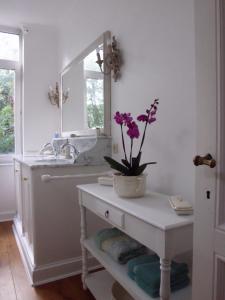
[165,278]
[83,236]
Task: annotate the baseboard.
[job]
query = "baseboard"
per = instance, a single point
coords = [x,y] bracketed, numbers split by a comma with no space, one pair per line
[60,269]
[27,264]
[7,216]
[42,274]
[62,276]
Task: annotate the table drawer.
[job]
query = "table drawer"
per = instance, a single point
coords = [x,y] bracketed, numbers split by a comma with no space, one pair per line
[111,214]
[104,210]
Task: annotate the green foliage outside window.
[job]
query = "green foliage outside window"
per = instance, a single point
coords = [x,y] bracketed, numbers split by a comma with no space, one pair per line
[6,111]
[95,116]
[95,106]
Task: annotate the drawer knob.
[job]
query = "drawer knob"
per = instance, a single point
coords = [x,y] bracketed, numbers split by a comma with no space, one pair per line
[107,214]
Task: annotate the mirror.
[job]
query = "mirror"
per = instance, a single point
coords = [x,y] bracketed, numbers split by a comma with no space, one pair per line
[86,93]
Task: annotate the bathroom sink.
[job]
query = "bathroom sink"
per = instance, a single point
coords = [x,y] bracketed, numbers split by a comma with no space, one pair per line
[46,160]
[52,160]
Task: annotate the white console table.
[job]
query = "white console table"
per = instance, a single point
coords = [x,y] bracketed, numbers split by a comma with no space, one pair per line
[151,221]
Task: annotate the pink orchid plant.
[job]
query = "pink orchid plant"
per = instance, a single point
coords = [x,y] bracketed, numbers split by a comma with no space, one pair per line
[131,166]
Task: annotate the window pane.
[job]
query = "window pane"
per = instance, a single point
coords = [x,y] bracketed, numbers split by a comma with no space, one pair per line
[95,104]
[90,60]
[9,46]
[7,83]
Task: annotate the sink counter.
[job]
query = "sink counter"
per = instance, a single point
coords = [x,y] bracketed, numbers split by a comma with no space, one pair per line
[48,220]
[50,162]
[91,154]
[44,161]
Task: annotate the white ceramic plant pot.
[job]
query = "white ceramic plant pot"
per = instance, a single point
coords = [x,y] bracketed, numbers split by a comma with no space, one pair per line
[129,186]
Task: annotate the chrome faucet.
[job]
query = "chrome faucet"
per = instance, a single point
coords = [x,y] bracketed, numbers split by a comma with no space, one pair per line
[45,147]
[68,145]
[49,146]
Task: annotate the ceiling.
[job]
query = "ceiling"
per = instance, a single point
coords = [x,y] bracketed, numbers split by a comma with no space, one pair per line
[18,12]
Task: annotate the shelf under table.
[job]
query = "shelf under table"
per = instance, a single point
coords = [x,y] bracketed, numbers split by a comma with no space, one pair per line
[119,273]
[100,284]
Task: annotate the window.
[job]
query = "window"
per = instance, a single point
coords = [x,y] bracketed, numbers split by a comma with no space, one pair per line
[7,84]
[9,91]
[95,103]
[9,46]
[94,91]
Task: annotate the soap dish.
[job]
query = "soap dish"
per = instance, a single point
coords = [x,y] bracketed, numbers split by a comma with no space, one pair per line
[180,206]
[105,180]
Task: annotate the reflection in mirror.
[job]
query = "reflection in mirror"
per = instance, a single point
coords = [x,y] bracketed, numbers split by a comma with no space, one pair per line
[94,96]
[88,104]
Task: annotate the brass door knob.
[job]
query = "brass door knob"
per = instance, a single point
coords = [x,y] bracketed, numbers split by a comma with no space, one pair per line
[204,160]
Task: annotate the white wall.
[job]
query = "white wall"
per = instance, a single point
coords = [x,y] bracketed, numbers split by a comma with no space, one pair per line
[7,193]
[73,109]
[41,119]
[157,40]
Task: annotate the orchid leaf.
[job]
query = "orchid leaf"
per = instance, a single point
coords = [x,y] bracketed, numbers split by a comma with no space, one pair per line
[151,163]
[140,169]
[116,166]
[126,163]
[136,161]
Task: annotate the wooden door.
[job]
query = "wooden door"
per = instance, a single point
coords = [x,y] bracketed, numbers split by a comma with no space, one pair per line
[209,228]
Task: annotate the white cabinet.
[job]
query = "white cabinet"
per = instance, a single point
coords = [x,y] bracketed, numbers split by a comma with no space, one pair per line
[17,175]
[47,222]
[150,220]
[27,217]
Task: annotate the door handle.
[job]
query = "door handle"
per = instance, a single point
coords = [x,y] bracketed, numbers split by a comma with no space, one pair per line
[204,160]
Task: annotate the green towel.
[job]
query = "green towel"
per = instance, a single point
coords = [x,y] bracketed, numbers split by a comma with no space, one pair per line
[143,259]
[105,234]
[150,273]
[118,245]
[154,292]
[123,248]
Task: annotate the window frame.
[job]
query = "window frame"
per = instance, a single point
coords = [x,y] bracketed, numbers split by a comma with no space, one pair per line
[16,66]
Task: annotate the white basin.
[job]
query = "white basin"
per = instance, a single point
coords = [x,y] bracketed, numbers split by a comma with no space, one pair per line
[52,160]
[45,160]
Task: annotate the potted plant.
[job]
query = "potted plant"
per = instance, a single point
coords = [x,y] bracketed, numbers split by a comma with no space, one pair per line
[130,181]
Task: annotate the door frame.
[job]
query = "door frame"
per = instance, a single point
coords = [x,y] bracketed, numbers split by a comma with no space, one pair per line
[219,238]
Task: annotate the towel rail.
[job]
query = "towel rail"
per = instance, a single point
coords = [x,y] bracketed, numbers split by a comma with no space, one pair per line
[47,177]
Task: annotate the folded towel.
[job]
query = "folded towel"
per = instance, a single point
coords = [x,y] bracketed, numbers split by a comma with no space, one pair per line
[123,248]
[118,245]
[150,273]
[154,292]
[137,261]
[105,234]
[173,282]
